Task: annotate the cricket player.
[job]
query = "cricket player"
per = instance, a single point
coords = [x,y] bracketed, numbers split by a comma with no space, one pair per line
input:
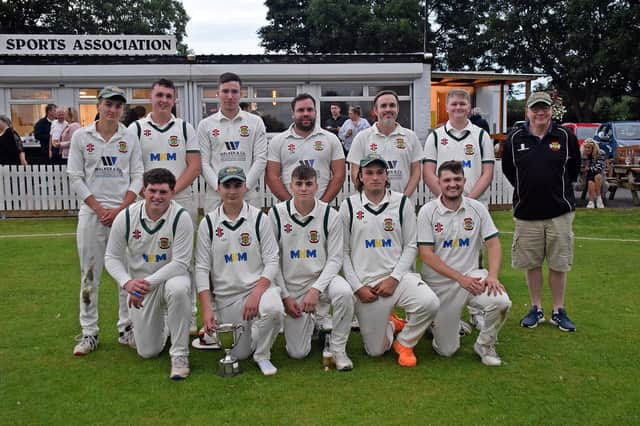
[105,169]
[379,256]
[387,138]
[236,247]
[148,255]
[304,143]
[171,143]
[232,137]
[451,230]
[310,236]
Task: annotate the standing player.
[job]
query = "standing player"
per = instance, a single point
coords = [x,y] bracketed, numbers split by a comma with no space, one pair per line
[387,138]
[304,143]
[380,252]
[236,247]
[170,142]
[105,169]
[311,245]
[232,137]
[451,230]
[148,255]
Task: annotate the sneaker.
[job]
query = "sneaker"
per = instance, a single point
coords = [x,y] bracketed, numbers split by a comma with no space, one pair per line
[562,321]
[193,326]
[465,329]
[398,323]
[179,367]
[267,368]
[599,203]
[85,345]
[406,358]
[342,361]
[126,337]
[487,354]
[590,205]
[355,325]
[533,318]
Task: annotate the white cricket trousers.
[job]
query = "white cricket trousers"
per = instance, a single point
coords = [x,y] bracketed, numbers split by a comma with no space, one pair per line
[174,297]
[186,200]
[453,298]
[260,333]
[298,331]
[92,238]
[419,303]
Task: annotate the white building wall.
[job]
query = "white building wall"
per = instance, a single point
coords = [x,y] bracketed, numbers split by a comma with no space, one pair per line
[488,100]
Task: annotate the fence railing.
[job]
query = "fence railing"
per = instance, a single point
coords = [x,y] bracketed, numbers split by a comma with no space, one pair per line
[47,188]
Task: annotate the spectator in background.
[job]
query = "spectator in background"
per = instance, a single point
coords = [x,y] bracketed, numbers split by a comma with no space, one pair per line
[134,114]
[475,117]
[57,126]
[350,128]
[244,106]
[11,152]
[42,130]
[336,120]
[592,167]
[71,117]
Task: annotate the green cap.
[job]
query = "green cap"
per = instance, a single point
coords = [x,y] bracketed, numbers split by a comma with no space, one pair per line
[373,158]
[231,173]
[539,98]
[110,92]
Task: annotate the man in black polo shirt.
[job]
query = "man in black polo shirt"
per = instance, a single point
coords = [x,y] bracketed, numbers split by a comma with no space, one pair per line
[542,160]
[336,120]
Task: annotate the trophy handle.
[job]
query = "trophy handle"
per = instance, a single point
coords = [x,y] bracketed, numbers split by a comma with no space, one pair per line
[238,331]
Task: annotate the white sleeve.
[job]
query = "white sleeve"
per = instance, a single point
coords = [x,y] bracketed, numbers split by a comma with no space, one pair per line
[347,266]
[136,167]
[269,250]
[431,148]
[487,227]
[204,260]
[488,153]
[205,156]
[336,148]
[115,255]
[279,278]
[417,153]
[356,152]
[181,252]
[192,144]
[256,172]
[335,244]
[273,151]
[75,167]
[425,227]
[409,251]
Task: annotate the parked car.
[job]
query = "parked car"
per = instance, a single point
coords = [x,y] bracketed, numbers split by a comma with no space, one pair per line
[620,140]
[582,130]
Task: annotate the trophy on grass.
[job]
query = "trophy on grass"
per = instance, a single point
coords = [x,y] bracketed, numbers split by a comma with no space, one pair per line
[228,336]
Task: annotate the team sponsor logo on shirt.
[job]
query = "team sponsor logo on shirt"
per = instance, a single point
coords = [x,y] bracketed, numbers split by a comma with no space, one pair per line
[215,133]
[313,236]
[90,148]
[164,243]
[308,163]
[147,132]
[245,239]
[163,156]
[438,227]
[317,145]
[400,143]
[468,149]
[444,141]
[388,224]
[359,214]
[235,257]
[244,131]
[303,254]
[154,258]
[109,161]
[377,243]
[468,224]
[466,164]
[555,146]
[455,243]
[122,147]
[173,141]
[108,169]
[136,234]
[373,147]
[232,145]
[219,232]
[291,148]
[288,228]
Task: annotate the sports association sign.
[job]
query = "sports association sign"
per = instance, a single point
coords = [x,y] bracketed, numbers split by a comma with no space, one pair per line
[69,44]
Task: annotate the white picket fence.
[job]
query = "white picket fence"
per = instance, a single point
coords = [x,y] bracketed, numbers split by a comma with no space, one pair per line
[47,188]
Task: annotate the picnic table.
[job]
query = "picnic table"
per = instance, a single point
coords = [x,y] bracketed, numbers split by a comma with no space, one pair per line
[626,176]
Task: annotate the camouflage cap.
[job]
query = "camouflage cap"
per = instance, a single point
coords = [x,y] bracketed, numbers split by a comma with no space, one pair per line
[110,92]
[231,173]
[373,158]
[539,98]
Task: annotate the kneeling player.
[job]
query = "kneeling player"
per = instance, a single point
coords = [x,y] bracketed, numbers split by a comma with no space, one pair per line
[310,235]
[237,249]
[148,254]
[380,252]
[451,230]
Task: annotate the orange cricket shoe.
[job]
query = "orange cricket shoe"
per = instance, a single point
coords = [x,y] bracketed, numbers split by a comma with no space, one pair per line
[398,324]
[406,358]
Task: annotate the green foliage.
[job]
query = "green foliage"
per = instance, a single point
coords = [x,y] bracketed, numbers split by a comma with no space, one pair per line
[548,377]
[95,17]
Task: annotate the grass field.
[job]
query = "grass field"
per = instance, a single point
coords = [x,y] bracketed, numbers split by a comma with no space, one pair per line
[548,377]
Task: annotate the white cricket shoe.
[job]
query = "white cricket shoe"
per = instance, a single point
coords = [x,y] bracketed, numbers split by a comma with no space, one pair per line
[599,203]
[590,205]
[126,337]
[179,367]
[267,368]
[85,345]
[487,354]
[342,361]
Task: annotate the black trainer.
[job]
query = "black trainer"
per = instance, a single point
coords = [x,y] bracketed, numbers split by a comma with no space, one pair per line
[562,321]
[533,318]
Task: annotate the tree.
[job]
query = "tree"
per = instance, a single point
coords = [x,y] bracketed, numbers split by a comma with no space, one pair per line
[95,17]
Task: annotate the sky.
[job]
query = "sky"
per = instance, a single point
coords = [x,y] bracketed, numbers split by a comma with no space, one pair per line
[225,26]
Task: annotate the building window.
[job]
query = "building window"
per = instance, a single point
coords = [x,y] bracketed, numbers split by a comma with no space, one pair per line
[27,106]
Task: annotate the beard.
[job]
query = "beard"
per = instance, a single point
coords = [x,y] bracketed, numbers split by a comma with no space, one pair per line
[305,128]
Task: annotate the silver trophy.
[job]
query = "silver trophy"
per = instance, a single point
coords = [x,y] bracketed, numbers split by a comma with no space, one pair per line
[228,336]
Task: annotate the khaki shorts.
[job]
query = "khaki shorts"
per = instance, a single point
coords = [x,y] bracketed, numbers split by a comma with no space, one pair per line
[535,240]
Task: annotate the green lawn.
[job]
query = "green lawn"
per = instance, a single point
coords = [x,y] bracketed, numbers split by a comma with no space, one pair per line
[548,377]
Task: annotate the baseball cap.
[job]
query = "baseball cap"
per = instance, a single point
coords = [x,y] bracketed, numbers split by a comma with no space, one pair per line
[110,92]
[539,98]
[231,173]
[373,158]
